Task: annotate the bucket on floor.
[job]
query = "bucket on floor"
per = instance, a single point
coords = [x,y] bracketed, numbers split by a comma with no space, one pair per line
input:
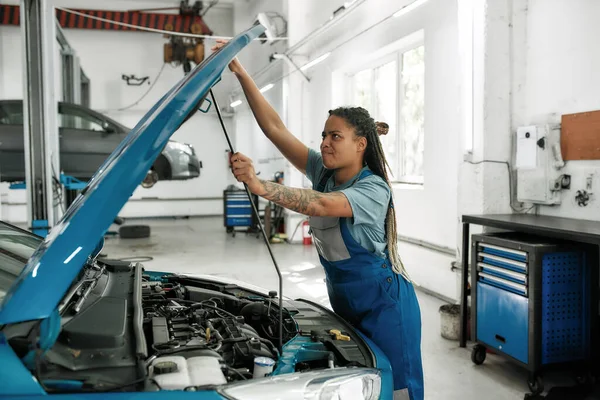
[450,321]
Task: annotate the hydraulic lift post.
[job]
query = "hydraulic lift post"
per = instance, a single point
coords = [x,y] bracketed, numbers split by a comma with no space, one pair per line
[40,113]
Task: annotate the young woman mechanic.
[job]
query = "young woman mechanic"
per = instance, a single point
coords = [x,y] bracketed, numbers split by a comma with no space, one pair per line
[353,224]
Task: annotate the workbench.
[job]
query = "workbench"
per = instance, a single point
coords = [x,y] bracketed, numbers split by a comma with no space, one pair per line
[573,230]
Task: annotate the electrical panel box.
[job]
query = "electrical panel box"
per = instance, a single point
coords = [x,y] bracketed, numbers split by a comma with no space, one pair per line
[538,164]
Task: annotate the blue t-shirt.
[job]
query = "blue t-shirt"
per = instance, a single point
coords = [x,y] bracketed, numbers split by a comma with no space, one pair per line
[369,199]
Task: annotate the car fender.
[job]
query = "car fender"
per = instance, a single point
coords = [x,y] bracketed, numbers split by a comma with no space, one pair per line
[165,153]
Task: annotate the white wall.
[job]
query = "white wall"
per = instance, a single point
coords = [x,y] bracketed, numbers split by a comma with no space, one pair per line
[536,62]
[560,77]
[249,138]
[428,213]
[105,56]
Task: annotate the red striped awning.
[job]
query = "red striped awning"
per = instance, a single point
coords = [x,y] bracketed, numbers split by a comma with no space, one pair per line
[10,15]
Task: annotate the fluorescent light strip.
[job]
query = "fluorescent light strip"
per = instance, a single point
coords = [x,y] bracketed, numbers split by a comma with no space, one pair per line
[236,103]
[315,61]
[267,88]
[406,9]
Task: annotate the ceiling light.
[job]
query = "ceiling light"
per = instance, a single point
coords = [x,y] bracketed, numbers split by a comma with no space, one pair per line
[315,61]
[266,88]
[236,103]
[410,7]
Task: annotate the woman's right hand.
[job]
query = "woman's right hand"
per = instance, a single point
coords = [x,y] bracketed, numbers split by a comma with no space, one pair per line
[234,66]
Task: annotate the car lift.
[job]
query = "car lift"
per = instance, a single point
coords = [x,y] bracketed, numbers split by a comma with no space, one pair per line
[40,31]
[73,187]
[71,184]
[40,113]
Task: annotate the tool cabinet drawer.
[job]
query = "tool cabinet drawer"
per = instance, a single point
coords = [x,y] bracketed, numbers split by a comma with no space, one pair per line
[247,211]
[503,321]
[241,221]
[238,209]
[238,202]
[500,257]
[512,276]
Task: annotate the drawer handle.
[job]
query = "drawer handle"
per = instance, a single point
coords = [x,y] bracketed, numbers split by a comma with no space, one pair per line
[503,283]
[500,339]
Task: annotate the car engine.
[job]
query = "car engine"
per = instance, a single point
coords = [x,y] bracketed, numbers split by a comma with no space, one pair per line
[200,332]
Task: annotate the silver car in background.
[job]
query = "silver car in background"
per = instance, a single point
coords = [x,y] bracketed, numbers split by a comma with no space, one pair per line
[86,139]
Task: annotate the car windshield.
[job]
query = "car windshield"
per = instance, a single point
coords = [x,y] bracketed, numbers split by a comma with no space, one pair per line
[16,247]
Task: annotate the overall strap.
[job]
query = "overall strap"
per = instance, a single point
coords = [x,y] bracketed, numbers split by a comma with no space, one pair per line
[364,174]
[328,173]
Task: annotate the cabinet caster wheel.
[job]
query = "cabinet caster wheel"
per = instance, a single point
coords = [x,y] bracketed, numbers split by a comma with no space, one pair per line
[585,379]
[478,354]
[536,385]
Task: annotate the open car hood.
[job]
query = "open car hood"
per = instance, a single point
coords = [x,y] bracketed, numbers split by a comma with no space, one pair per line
[56,263]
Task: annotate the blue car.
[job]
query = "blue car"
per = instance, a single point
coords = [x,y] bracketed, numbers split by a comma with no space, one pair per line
[75,325]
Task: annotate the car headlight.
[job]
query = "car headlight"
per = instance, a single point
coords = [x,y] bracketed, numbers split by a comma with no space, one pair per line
[182,147]
[331,384]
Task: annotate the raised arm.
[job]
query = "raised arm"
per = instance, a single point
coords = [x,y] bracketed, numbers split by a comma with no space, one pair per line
[270,123]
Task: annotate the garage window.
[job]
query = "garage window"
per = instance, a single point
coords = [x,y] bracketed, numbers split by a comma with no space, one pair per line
[393,90]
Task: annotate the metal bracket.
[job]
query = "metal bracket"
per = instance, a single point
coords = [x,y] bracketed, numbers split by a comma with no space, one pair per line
[208,108]
[17,185]
[71,183]
[40,227]
[279,56]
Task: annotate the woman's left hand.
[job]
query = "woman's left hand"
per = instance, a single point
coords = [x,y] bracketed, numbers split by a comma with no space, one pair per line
[243,170]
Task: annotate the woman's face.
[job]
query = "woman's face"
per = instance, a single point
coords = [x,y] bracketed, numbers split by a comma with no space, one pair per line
[340,146]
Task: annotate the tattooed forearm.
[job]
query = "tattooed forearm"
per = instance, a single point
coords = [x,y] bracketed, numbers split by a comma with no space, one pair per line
[303,201]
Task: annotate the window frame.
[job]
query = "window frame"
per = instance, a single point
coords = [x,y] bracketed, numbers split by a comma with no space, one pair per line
[73,111]
[393,52]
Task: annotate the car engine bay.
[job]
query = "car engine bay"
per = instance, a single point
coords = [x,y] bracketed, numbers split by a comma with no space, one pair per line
[208,331]
[128,330]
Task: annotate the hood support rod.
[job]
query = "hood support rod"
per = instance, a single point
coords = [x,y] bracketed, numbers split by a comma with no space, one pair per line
[262,228]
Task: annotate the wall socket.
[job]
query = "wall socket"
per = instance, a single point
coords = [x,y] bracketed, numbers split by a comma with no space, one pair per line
[589,181]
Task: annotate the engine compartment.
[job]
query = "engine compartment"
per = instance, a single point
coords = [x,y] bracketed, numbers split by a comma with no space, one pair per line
[127,330]
[195,323]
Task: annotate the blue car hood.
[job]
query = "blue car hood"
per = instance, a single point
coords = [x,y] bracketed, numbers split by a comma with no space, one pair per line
[56,263]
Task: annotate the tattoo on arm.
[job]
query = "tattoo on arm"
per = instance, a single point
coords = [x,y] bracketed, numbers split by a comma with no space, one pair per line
[303,201]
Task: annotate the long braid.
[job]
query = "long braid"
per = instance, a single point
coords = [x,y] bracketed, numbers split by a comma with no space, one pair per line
[375,159]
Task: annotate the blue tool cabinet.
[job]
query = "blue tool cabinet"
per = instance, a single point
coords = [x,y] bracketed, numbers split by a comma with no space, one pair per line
[237,210]
[533,301]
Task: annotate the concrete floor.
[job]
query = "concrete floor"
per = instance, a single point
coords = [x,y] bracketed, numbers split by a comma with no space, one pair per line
[202,246]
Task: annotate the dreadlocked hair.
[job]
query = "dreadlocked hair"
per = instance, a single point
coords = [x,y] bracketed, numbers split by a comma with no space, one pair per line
[374,158]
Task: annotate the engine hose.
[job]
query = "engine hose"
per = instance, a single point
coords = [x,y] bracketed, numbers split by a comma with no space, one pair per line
[218,347]
[183,348]
[269,343]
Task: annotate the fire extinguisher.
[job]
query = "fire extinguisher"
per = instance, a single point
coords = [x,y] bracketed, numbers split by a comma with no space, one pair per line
[306,237]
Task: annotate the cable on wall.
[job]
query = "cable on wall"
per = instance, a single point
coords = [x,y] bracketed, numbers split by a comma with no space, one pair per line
[143,28]
[510,183]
